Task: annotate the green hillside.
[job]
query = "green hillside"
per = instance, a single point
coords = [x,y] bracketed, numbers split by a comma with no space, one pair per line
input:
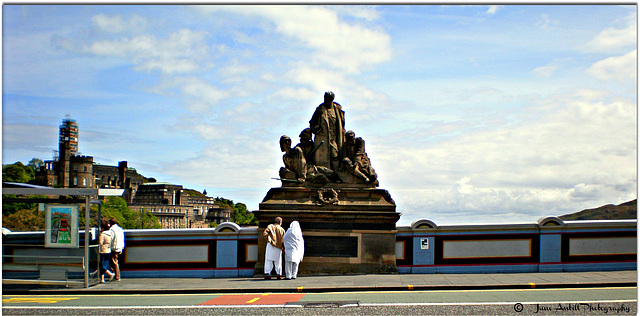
[627,210]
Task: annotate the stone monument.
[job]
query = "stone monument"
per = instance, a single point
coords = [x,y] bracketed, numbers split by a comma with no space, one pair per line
[330,187]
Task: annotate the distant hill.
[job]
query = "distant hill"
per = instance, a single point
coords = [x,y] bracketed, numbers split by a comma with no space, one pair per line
[192,192]
[627,210]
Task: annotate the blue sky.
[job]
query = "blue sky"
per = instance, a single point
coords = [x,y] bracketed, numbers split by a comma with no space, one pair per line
[470,113]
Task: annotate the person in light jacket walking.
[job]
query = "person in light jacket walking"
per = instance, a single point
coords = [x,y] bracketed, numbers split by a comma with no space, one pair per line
[105,252]
[117,245]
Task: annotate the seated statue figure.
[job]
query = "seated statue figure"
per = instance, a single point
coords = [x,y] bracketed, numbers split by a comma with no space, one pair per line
[295,166]
[316,175]
[356,161]
[307,146]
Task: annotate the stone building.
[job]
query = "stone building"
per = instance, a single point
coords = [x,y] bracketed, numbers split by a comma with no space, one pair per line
[169,202]
[173,206]
[118,177]
[67,148]
[68,169]
[57,172]
[205,210]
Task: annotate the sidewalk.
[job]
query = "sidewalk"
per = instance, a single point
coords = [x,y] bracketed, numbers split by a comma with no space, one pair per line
[349,283]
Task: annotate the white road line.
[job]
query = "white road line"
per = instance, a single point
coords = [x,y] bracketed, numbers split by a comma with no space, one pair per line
[301,306]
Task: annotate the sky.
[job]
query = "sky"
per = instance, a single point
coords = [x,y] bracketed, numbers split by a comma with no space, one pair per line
[470,113]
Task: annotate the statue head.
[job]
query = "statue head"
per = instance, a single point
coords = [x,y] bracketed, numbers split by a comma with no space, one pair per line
[285,143]
[305,135]
[350,137]
[329,96]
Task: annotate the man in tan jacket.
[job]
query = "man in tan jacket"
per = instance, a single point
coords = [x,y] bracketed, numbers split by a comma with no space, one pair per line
[274,234]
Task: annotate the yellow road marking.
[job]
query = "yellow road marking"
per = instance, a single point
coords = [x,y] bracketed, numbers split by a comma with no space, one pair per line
[41,300]
[255,299]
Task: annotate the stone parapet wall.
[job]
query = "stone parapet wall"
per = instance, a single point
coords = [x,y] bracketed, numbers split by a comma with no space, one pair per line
[550,245]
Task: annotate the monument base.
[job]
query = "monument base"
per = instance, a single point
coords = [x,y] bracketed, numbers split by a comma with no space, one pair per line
[348,231]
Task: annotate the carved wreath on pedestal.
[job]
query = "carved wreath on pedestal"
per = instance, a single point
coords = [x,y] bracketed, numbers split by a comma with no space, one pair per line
[328,196]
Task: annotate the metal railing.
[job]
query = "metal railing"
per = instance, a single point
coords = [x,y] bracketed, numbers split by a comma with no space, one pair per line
[50,270]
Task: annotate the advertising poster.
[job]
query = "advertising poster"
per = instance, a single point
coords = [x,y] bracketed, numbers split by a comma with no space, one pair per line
[61,226]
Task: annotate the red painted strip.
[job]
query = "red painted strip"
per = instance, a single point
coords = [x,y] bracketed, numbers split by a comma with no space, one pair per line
[492,234]
[476,264]
[254,299]
[603,233]
[509,264]
[188,269]
[616,261]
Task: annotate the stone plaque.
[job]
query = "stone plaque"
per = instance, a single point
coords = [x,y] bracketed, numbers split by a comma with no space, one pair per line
[324,246]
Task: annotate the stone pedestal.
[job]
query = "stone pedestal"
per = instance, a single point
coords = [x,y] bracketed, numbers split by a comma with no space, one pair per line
[347,230]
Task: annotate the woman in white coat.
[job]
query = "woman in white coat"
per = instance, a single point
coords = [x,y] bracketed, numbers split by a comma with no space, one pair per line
[293,250]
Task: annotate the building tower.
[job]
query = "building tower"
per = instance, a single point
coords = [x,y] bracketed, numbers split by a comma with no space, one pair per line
[67,147]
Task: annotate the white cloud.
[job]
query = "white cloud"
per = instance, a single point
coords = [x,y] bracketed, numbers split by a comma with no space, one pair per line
[211,132]
[176,66]
[200,89]
[33,140]
[316,78]
[366,12]
[178,53]
[549,70]
[544,71]
[116,24]
[493,9]
[540,167]
[545,21]
[445,148]
[300,94]
[613,38]
[621,68]
[238,161]
[235,68]
[336,43]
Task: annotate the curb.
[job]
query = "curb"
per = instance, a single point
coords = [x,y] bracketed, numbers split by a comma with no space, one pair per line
[92,291]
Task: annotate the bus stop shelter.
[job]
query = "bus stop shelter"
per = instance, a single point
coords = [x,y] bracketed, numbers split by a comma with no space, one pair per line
[87,195]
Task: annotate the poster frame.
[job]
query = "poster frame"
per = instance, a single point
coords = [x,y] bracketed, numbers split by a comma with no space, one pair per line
[51,229]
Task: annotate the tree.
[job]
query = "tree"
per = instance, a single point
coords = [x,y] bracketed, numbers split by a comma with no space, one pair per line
[117,208]
[35,164]
[17,172]
[146,220]
[239,213]
[241,217]
[24,220]
[10,208]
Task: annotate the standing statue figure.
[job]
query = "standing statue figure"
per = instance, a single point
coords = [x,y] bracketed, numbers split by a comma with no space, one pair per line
[295,166]
[327,123]
[355,159]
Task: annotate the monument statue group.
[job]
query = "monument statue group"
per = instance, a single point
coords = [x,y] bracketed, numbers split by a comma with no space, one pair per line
[330,187]
[326,153]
